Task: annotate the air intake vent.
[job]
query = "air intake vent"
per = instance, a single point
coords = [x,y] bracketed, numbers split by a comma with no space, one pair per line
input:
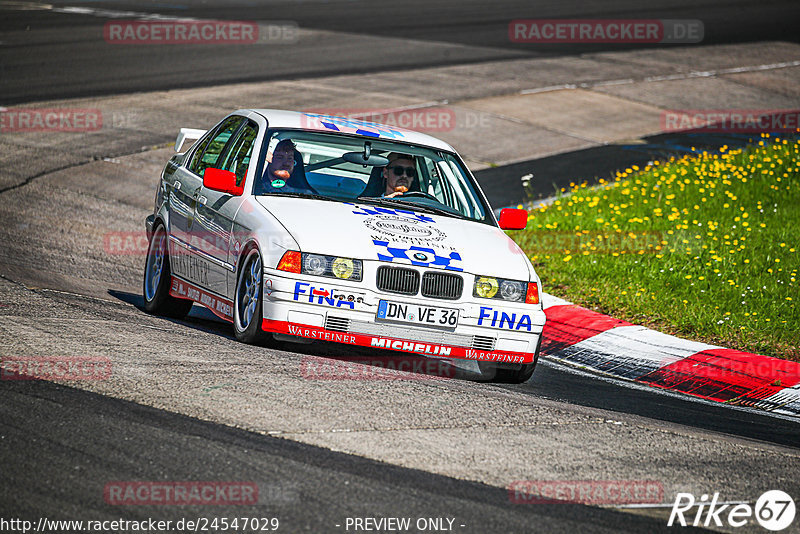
[482,343]
[398,280]
[337,324]
[442,285]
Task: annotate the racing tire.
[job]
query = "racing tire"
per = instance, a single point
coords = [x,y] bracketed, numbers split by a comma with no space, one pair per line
[506,375]
[247,315]
[157,279]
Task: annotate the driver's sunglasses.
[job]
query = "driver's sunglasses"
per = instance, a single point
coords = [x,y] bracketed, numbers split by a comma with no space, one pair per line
[398,170]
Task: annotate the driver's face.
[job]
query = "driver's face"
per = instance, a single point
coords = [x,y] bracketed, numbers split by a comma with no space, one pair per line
[393,180]
[282,160]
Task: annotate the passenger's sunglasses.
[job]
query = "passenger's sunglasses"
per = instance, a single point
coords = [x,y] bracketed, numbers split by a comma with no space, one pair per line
[398,170]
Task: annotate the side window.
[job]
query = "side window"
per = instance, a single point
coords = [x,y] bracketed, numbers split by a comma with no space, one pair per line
[215,146]
[198,154]
[237,158]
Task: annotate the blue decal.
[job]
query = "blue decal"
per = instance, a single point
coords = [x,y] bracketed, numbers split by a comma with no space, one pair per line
[323,296]
[397,253]
[377,210]
[370,129]
[507,322]
[382,309]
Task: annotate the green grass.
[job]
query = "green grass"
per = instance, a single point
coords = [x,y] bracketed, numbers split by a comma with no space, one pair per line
[702,247]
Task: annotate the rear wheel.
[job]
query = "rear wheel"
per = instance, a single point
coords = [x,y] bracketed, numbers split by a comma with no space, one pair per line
[510,373]
[157,278]
[247,315]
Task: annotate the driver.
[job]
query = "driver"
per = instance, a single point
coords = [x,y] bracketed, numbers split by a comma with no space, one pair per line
[399,174]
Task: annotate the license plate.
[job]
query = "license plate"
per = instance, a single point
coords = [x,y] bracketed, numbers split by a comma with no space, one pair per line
[403,312]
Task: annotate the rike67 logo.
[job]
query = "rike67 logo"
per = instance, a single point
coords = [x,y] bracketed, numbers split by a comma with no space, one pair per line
[774,510]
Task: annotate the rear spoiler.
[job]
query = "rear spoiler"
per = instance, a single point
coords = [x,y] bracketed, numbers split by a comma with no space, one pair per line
[187,134]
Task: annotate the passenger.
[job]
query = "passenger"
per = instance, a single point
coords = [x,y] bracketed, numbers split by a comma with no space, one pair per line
[399,174]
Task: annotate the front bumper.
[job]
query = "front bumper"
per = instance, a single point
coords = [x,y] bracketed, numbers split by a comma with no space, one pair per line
[331,310]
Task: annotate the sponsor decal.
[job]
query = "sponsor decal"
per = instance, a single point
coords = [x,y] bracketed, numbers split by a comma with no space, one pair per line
[347,125]
[399,254]
[320,334]
[471,354]
[410,346]
[329,297]
[404,229]
[221,307]
[190,267]
[501,319]
[180,493]
[379,210]
[415,347]
[268,287]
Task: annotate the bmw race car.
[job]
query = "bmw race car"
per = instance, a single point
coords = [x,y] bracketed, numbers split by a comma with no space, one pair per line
[301,225]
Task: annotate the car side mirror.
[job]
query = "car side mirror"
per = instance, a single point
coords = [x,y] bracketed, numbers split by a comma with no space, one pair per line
[222,181]
[513,219]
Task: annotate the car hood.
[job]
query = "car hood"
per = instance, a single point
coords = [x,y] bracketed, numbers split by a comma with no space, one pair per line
[371,232]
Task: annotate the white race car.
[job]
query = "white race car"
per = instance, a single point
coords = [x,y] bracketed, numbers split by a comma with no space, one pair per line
[301,225]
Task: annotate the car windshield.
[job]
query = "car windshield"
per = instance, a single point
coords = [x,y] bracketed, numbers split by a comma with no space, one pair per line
[349,169]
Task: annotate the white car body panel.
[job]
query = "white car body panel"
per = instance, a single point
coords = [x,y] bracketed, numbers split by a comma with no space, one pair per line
[316,307]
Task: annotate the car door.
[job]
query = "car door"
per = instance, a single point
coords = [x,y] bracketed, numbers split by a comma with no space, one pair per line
[215,210]
[189,260]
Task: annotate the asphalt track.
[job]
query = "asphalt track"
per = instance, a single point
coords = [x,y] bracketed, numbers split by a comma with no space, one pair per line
[47,54]
[187,402]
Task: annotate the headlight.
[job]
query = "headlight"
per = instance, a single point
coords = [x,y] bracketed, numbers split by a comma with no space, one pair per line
[511,290]
[314,264]
[488,287]
[320,265]
[344,268]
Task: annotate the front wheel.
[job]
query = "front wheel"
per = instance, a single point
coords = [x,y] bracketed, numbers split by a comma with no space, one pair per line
[247,316]
[157,278]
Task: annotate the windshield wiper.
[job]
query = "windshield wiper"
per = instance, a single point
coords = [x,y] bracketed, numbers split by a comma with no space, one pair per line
[413,205]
